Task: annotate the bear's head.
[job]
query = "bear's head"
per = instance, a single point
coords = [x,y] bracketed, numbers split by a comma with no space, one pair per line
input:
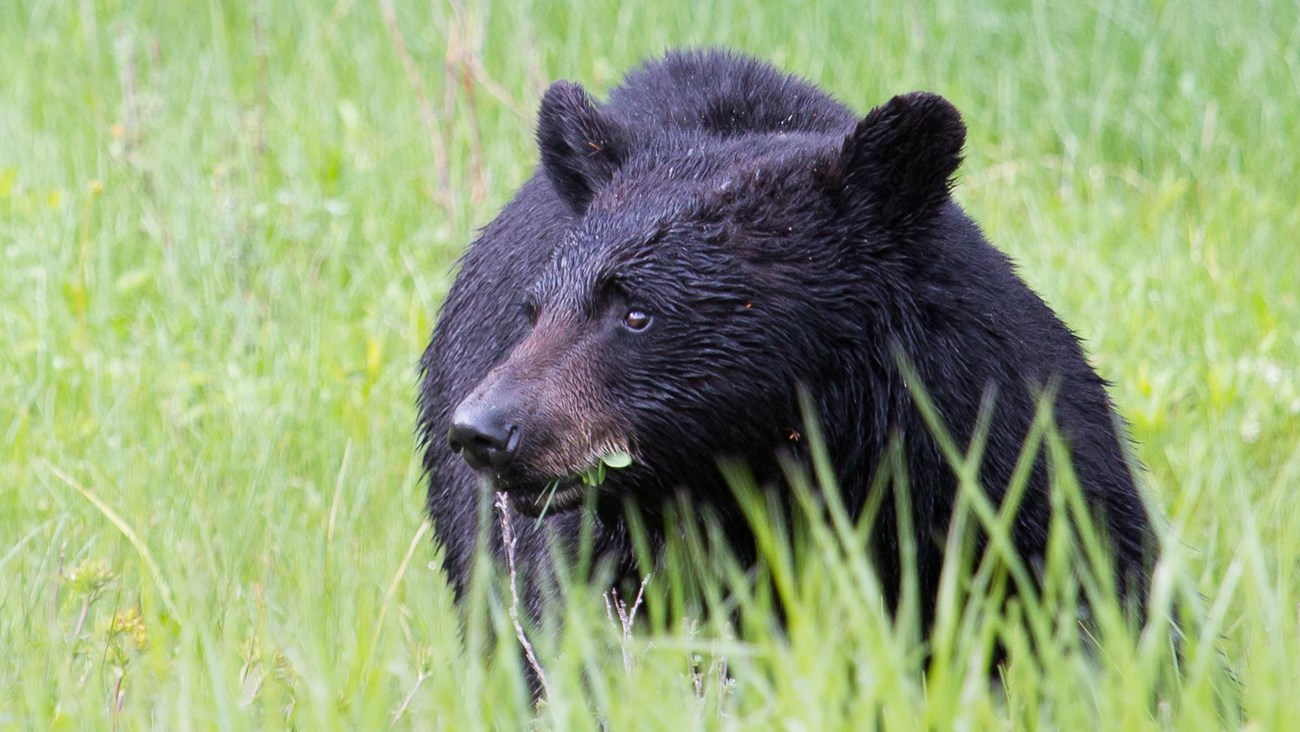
[705,281]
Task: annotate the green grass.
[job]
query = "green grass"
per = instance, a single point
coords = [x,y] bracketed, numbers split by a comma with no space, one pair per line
[225,230]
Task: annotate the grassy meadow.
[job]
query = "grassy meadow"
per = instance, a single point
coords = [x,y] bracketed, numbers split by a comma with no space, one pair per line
[225,232]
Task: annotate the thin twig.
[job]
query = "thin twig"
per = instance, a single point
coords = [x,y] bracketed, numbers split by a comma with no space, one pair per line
[81,616]
[263,95]
[406,703]
[427,115]
[472,32]
[626,617]
[508,540]
[54,592]
[461,67]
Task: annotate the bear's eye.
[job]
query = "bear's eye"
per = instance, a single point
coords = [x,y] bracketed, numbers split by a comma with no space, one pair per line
[528,309]
[636,319]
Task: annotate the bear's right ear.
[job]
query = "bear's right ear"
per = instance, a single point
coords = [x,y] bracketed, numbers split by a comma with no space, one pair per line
[581,147]
[897,164]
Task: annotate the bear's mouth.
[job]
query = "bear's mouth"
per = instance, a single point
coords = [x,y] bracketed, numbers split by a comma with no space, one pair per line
[551,498]
[539,498]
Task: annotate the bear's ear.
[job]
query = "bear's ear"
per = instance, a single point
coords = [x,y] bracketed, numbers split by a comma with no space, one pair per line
[897,165]
[581,147]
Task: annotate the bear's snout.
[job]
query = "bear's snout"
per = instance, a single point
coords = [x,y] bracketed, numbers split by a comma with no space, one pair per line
[485,437]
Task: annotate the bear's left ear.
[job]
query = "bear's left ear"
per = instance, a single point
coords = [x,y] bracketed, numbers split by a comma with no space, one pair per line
[581,147]
[897,164]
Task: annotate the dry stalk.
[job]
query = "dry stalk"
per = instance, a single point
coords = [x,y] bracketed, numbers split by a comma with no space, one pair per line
[427,115]
[263,93]
[615,605]
[462,64]
[410,697]
[508,541]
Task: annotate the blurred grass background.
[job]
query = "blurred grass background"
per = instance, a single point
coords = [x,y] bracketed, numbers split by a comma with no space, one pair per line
[226,228]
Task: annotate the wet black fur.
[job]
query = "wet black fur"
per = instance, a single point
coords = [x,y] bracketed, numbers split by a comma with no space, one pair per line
[779,240]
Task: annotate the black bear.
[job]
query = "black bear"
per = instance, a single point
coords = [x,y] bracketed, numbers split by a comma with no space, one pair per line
[694,254]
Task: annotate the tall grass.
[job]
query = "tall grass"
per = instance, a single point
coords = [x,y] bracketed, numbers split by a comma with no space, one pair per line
[225,230]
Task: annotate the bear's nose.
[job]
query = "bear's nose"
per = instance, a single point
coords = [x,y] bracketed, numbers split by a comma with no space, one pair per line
[484,437]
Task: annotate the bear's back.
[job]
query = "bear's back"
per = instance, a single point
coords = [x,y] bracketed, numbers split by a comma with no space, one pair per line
[724,94]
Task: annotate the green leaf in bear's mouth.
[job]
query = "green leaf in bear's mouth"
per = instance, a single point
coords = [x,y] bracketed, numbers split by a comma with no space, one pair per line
[595,475]
[592,477]
[616,460]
